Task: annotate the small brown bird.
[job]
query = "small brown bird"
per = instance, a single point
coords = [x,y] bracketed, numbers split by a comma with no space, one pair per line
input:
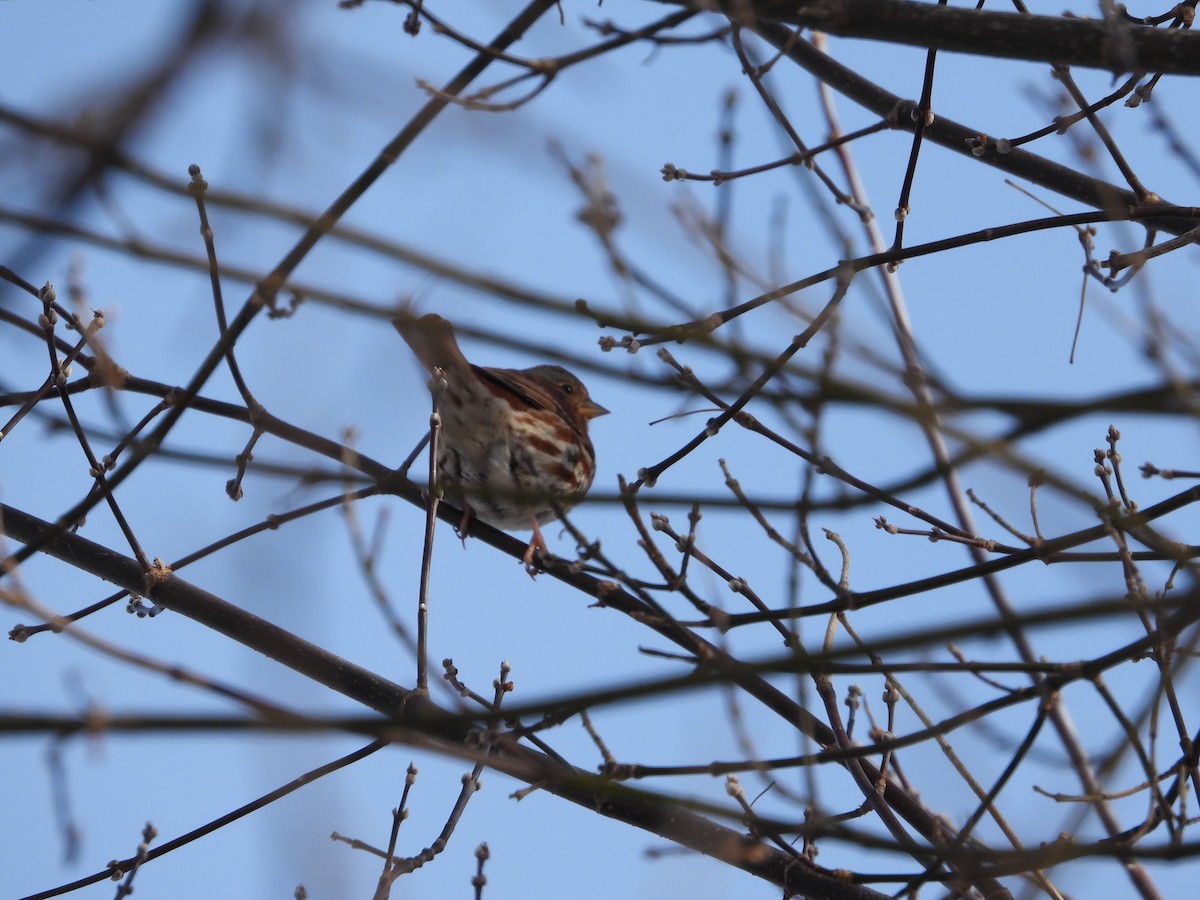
[514,447]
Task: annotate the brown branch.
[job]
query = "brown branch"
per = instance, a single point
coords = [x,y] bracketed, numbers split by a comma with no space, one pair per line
[1092,43]
[413,710]
[960,138]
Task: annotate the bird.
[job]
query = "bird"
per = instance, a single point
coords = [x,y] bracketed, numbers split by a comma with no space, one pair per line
[513,449]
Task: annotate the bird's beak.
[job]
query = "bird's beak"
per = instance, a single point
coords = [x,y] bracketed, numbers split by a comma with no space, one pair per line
[593,409]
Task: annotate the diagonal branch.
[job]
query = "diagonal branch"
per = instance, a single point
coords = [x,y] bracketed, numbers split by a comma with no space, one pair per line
[409,709]
[413,709]
[1116,45]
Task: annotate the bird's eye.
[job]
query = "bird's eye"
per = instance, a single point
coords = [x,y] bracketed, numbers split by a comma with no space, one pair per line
[567,387]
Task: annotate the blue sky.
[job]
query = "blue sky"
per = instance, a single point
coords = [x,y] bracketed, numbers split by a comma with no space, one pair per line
[484,192]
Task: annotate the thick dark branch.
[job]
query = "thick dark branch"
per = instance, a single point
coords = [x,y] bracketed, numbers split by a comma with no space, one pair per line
[413,710]
[947,133]
[1118,46]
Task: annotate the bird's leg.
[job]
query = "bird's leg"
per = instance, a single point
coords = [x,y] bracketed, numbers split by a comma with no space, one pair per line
[536,543]
[464,523]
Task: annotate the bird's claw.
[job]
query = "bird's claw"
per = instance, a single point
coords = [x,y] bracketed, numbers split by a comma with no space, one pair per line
[464,523]
[536,546]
